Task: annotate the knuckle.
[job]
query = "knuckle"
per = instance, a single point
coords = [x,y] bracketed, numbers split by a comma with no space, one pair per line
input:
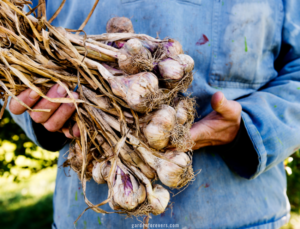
[36,117]
[14,108]
[50,127]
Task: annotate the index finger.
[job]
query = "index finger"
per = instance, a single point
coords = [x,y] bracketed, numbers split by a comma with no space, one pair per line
[29,97]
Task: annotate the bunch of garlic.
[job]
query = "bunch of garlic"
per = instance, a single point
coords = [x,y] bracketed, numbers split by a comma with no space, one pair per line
[137,67]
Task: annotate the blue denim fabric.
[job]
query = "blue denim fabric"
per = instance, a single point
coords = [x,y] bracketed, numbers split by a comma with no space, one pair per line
[245,37]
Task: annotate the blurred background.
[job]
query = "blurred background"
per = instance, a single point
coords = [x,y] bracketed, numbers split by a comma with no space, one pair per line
[27,181]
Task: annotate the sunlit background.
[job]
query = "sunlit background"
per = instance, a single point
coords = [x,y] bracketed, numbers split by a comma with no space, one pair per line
[27,181]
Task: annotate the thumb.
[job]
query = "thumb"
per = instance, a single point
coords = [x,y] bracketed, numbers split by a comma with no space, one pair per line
[227,108]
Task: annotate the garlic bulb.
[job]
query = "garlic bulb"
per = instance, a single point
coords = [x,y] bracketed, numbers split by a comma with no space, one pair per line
[101,171]
[160,203]
[133,88]
[134,57]
[157,132]
[158,197]
[119,25]
[176,68]
[170,169]
[128,193]
[181,112]
[172,48]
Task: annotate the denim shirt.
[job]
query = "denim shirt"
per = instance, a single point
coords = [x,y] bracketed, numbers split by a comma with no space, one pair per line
[249,50]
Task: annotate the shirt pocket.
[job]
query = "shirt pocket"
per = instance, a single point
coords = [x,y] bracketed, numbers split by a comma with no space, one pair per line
[246,40]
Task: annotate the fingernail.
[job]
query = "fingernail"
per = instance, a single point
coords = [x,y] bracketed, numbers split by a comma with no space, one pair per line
[222,100]
[33,95]
[61,90]
[76,96]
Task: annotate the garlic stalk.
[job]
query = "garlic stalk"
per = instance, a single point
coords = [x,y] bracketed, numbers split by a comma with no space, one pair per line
[176,68]
[162,122]
[115,72]
[158,197]
[127,155]
[132,58]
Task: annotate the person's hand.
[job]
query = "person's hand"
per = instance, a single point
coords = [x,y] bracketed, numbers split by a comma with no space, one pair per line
[220,126]
[55,119]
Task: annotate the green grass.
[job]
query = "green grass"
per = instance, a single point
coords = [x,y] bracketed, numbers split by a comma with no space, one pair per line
[27,204]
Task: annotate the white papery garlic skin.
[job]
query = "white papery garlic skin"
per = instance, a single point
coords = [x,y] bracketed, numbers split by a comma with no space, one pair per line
[170,69]
[170,169]
[179,158]
[157,132]
[172,48]
[97,176]
[187,62]
[176,68]
[128,194]
[159,199]
[133,88]
[101,171]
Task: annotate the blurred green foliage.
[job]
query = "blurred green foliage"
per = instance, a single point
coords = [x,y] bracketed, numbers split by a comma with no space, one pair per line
[19,157]
[292,166]
[27,180]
